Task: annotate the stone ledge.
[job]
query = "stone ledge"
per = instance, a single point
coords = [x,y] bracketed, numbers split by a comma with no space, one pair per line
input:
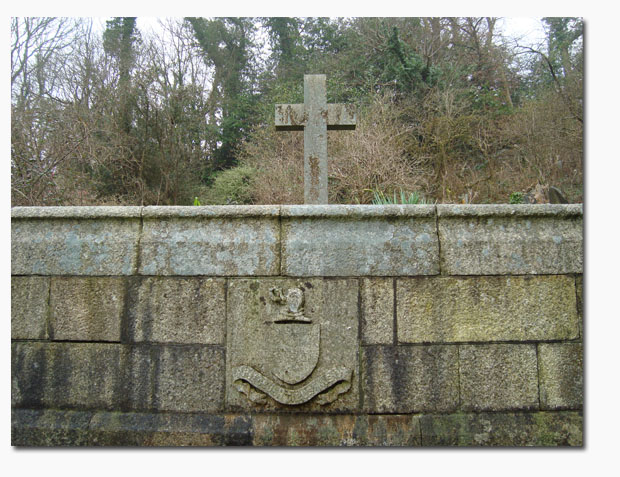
[357,211]
[509,210]
[83,212]
[53,428]
[331,210]
[215,211]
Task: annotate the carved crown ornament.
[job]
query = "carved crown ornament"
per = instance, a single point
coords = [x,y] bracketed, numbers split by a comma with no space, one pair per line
[286,367]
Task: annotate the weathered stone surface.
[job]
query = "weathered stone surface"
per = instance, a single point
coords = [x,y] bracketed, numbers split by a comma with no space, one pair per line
[50,428]
[108,376]
[103,428]
[68,375]
[314,117]
[335,430]
[498,377]
[210,244]
[511,239]
[177,310]
[561,375]
[455,309]
[402,379]
[74,246]
[76,212]
[29,307]
[377,310]
[340,240]
[283,351]
[210,211]
[180,378]
[166,429]
[579,288]
[86,308]
[191,378]
[315,140]
[503,429]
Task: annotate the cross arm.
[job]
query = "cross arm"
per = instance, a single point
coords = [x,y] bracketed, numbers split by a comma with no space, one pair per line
[293,117]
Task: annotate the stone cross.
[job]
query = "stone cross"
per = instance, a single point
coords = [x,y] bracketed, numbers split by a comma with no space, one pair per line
[315,117]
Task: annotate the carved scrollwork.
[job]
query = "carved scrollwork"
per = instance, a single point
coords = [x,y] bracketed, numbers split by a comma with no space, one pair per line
[328,386]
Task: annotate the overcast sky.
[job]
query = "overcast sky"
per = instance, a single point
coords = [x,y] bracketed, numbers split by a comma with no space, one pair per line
[528,30]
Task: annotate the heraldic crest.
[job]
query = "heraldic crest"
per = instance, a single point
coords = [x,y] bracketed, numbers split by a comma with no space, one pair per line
[285,367]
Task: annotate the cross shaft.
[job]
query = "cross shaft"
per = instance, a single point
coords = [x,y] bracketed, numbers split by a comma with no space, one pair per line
[315,117]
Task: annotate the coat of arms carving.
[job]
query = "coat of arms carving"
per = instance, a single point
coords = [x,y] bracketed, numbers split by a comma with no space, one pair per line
[283,351]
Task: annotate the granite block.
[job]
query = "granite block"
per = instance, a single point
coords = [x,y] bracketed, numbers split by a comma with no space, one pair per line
[498,377]
[482,309]
[29,307]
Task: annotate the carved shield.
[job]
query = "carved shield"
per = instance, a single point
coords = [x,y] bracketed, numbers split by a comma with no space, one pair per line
[294,350]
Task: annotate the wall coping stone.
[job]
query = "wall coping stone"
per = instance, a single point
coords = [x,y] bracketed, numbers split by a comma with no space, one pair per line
[211,211]
[506,210]
[357,211]
[319,211]
[76,212]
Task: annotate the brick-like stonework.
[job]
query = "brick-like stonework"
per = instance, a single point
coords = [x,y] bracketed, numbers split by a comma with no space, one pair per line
[314,325]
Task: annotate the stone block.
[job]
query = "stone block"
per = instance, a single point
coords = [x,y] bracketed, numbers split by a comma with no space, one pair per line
[49,428]
[561,375]
[68,375]
[341,240]
[377,310]
[504,429]
[292,345]
[177,310]
[190,379]
[511,239]
[29,307]
[86,308]
[404,379]
[72,241]
[169,429]
[335,430]
[497,377]
[178,378]
[497,308]
[218,241]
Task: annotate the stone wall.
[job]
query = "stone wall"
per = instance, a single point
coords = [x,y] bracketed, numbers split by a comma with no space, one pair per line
[297,325]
